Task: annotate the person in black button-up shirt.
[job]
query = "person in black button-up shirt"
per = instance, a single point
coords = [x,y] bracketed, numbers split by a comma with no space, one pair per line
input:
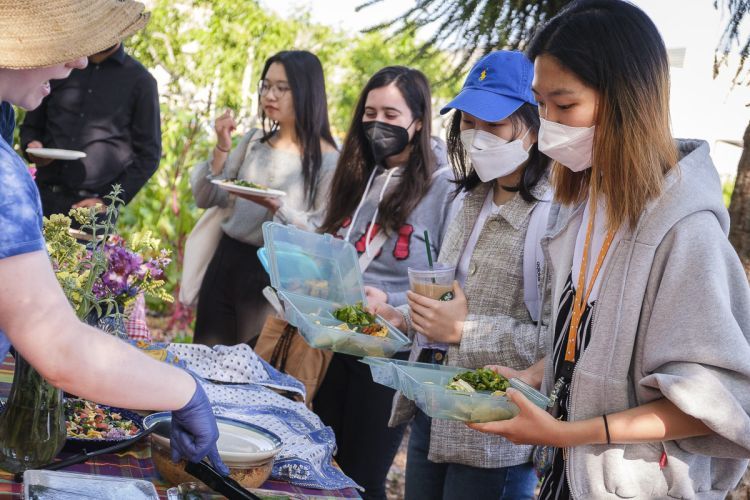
[110,111]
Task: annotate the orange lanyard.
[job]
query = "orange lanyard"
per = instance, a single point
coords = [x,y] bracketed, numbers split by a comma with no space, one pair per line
[581,298]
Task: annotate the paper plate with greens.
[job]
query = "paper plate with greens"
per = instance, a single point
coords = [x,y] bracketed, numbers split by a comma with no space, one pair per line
[239,186]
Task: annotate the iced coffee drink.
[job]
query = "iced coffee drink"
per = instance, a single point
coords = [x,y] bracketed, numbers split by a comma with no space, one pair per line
[435,283]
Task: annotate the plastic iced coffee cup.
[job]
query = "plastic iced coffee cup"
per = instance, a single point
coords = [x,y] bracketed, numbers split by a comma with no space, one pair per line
[435,283]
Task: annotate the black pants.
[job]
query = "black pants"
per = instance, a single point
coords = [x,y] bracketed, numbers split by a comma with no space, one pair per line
[57,202]
[358,410]
[231,306]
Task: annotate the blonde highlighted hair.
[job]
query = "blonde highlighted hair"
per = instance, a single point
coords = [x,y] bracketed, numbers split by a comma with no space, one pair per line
[615,48]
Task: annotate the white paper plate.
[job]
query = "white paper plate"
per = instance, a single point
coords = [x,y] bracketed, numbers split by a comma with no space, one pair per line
[232,188]
[82,235]
[56,154]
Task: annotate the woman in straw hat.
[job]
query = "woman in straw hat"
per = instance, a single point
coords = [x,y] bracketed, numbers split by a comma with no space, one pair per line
[43,40]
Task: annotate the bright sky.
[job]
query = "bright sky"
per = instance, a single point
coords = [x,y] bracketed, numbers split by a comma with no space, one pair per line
[701,107]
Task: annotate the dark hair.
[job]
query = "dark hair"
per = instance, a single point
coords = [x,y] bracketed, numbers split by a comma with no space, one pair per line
[614,48]
[534,170]
[305,76]
[357,162]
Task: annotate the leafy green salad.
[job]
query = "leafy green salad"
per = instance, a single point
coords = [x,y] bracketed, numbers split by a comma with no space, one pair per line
[482,379]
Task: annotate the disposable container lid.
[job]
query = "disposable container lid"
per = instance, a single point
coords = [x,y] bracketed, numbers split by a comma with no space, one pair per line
[44,484]
[312,264]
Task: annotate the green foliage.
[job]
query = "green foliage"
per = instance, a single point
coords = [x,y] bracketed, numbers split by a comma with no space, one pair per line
[737,11]
[471,28]
[727,188]
[105,273]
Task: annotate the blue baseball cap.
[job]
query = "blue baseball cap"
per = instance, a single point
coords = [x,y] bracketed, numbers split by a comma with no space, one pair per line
[497,85]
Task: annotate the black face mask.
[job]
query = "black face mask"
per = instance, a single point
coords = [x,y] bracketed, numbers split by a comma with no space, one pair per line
[385,139]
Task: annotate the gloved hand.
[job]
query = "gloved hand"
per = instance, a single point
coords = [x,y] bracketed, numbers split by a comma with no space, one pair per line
[194,432]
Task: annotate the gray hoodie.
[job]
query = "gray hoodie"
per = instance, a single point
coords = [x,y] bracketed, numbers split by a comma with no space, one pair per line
[388,270]
[672,320]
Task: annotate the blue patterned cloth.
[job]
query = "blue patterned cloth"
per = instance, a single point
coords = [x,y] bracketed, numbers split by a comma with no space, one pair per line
[234,365]
[20,214]
[245,392]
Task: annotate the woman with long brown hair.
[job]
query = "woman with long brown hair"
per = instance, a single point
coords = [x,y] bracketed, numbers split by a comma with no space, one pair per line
[389,181]
[649,367]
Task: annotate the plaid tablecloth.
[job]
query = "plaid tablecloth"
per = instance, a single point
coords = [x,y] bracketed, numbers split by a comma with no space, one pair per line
[136,463]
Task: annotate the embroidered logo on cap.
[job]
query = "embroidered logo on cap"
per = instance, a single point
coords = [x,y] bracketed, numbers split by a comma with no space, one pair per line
[483,75]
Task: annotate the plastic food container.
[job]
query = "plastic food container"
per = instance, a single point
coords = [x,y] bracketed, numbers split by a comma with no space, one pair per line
[53,485]
[383,371]
[315,274]
[532,394]
[317,325]
[424,383]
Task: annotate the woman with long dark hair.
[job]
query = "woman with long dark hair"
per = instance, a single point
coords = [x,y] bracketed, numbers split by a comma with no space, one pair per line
[649,359]
[493,151]
[293,152]
[390,184]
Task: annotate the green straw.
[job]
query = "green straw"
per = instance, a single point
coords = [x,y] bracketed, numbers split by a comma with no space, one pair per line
[429,252]
[427,245]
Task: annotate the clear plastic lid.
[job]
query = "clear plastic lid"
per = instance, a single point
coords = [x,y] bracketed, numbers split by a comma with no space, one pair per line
[53,485]
[312,264]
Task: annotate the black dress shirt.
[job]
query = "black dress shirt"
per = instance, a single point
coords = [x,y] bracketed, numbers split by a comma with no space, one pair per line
[7,122]
[111,112]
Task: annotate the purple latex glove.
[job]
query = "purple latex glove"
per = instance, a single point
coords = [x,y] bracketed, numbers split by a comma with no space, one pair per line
[194,432]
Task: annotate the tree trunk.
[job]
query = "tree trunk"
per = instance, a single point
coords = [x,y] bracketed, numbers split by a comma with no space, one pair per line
[739,235]
[739,208]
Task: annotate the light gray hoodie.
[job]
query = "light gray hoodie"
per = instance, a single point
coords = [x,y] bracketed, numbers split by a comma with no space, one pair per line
[672,320]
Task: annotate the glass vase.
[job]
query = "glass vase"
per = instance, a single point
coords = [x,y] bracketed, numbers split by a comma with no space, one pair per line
[32,423]
[114,324]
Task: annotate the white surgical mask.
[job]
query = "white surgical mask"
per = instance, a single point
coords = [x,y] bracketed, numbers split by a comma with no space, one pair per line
[571,146]
[492,156]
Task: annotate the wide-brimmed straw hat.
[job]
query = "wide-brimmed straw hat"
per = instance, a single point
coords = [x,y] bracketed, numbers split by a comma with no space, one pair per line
[38,33]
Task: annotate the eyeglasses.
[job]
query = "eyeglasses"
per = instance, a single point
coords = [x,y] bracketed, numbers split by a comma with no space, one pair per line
[279,89]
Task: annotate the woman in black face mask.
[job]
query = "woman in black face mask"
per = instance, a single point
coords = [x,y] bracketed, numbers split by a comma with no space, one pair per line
[392,183]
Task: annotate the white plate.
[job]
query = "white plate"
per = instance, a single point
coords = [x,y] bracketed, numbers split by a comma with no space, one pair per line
[56,154]
[82,235]
[232,188]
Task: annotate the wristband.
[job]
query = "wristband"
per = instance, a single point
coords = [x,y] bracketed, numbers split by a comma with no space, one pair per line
[222,149]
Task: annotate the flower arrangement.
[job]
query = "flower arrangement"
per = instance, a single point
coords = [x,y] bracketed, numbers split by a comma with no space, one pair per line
[102,277]
[99,278]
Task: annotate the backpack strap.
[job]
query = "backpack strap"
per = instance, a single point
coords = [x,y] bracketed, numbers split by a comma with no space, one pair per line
[533,256]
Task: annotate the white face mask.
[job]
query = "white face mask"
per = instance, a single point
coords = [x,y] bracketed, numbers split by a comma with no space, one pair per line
[571,146]
[492,156]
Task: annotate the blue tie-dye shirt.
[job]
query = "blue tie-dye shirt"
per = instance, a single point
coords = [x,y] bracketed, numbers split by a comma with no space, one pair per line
[20,213]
